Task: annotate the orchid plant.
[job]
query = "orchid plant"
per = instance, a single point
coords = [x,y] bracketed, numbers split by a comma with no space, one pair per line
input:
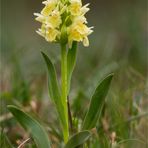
[64,22]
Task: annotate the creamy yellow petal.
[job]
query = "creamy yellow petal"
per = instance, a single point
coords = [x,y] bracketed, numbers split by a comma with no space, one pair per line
[84,9]
[48,9]
[86,42]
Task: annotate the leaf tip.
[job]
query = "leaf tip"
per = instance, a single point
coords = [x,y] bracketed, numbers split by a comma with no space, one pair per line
[43,54]
[46,58]
[110,76]
[10,107]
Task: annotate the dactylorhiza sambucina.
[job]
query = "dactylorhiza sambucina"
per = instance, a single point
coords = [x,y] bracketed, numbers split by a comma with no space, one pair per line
[64,21]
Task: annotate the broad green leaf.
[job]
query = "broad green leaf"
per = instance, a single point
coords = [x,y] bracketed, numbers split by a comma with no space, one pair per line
[71,61]
[32,126]
[78,139]
[96,104]
[52,79]
[54,89]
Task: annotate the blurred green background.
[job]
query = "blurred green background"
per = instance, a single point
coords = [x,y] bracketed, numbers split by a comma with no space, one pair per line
[119,44]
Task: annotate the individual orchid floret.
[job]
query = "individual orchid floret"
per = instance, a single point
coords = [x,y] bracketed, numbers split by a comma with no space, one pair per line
[79,32]
[75,7]
[54,20]
[49,7]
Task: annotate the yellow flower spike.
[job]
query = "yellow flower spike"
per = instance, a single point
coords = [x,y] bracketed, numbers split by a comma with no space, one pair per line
[71,15]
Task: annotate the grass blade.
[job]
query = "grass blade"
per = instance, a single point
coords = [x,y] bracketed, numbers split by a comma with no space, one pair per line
[32,126]
[97,103]
[4,141]
[78,139]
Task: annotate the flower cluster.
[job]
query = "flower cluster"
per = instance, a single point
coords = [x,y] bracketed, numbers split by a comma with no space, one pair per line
[64,19]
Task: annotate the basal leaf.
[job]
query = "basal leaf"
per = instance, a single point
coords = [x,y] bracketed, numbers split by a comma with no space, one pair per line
[54,89]
[32,126]
[71,61]
[96,104]
[78,139]
[52,79]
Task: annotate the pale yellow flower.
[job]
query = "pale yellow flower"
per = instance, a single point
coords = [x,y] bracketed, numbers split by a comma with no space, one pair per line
[54,20]
[79,32]
[74,35]
[71,15]
[51,34]
[48,33]
[83,29]
[49,7]
[75,7]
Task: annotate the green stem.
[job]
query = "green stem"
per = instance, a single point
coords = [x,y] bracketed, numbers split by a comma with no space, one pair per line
[64,90]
